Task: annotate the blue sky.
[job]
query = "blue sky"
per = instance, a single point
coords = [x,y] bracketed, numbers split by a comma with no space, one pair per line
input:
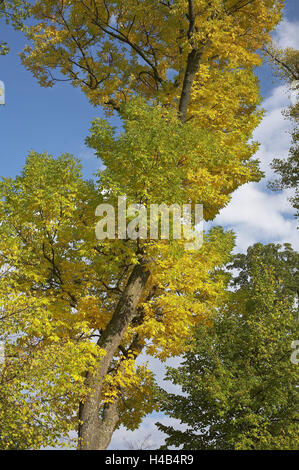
[57,120]
[43,119]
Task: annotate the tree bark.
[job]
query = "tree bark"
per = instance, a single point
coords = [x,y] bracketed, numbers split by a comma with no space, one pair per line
[95,431]
[191,69]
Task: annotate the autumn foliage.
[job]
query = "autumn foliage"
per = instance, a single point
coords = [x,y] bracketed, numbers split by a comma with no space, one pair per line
[180,74]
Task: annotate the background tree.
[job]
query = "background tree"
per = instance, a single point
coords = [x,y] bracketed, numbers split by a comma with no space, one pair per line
[239,384]
[286,62]
[185,139]
[143,444]
[14,12]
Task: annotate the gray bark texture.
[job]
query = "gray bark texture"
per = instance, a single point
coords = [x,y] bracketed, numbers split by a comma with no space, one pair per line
[95,431]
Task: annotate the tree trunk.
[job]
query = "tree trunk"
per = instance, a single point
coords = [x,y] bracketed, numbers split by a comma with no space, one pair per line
[95,432]
[191,69]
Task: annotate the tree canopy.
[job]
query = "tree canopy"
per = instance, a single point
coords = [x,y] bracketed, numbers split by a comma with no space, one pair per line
[239,384]
[286,63]
[14,12]
[60,289]
[181,76]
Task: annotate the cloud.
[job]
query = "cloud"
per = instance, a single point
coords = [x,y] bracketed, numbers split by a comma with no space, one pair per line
[255,213]
[287,34]
[273,133]
[147,436]
[259,216]
[159,369]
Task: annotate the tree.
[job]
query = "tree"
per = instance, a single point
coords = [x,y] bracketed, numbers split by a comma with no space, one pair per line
[286,63]
[60,289]
[14,12]
[180,75]
[144,444]
[196,55]
[37,323]
[238,381]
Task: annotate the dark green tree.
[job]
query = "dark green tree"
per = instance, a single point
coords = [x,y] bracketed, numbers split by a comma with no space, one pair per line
[238,380]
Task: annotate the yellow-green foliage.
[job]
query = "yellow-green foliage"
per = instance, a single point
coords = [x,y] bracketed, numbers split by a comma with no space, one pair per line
[59,285]
[57,298]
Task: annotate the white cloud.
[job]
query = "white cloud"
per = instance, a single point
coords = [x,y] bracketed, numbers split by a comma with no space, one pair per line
[146,436]
[287,34]
[159,369]
[273,133]
[256,215]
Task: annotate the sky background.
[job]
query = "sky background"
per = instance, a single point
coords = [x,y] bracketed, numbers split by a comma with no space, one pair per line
[57,120]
